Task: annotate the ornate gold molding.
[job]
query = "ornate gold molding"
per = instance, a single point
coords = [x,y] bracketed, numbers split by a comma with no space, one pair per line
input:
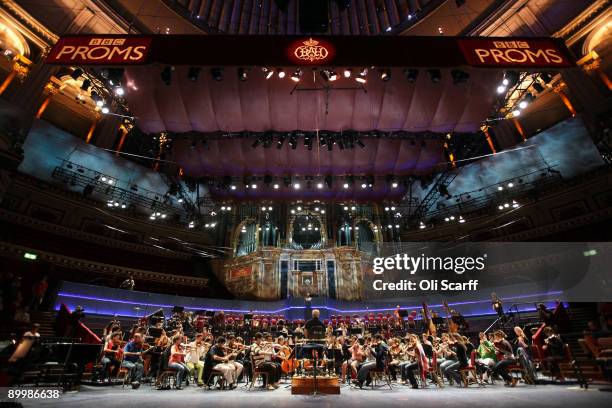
[27,25]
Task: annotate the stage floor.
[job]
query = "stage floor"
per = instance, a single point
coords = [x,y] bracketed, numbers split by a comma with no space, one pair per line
[498,396]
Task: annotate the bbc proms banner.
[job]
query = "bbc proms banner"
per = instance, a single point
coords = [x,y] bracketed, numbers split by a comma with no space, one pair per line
[389,51]
[438,271]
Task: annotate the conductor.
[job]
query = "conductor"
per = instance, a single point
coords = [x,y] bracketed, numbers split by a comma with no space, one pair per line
[315,329]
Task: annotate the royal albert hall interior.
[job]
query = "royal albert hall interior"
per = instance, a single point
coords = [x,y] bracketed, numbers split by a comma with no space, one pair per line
[299,203]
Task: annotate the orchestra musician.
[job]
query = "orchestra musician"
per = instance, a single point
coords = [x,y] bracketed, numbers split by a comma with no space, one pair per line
[132,359]
[177,360]
[358,356]
[379,349]
[236,349]
[219,359]
[111,356]
[415,358]
[457,350]
[485,353]
[262,359]
[505,358]
[193,359]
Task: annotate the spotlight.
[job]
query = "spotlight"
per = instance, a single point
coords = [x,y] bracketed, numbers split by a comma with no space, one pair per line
[394,185]
[192,73]
[461,220]
[361,78]
[385,74]
[329,75]
[281,73]
[86,84]
[516,113]
[308,142]
[276,186]
[512,77]
[105,110]
[319,185]
[254,186]
[501,89]
[421,225]
[364,185]
[119,91]
[242,74]
[459,76]
[510,185]
[546,77]
[269,73]
[538,87]
[346,185]
[281,140]
[76,73]
[217,73]
[232,187]
[293,142]
[296,186]
[411,74]
[347,72]
[523,104]
[166,75]
[297,75]
[435,75]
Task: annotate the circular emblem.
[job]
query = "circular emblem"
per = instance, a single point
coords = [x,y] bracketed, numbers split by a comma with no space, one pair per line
[311,51]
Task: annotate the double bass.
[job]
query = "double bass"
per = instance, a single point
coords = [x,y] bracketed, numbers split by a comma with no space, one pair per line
[452,326]
[431,327]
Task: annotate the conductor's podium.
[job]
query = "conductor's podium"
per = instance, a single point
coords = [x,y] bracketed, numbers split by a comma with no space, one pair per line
[303,385]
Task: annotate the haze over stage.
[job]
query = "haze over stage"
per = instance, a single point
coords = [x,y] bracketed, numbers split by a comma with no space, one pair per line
[542,396]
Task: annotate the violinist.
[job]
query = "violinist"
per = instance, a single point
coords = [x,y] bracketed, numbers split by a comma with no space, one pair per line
[358,355]
[133,359]
[177,360]
[379,350]
[415,356]
[111,356]
[262,361]
[505,359]
[236,350]
[218,358]
[398,356]
[193,359]
[161,344]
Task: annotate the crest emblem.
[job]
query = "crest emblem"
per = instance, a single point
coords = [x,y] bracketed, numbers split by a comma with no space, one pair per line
[311,51]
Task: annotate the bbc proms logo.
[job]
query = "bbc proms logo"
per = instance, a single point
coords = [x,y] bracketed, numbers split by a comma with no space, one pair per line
[97,50]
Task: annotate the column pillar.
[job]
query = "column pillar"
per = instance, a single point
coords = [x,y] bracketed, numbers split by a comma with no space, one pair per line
[582,92]
[506,134]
